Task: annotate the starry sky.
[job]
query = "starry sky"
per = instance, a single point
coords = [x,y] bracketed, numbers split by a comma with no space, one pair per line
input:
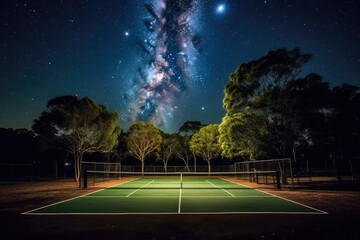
[89,48]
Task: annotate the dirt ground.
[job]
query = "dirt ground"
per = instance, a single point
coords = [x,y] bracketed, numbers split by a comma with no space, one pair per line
[342,222]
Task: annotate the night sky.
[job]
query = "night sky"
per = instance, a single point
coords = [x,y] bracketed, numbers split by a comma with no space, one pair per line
[90,48]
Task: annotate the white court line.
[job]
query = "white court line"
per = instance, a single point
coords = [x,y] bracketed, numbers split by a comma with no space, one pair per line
[181,197]
[183,213]
[180,200]
[85,195]
[321,212]
[220,188]
[139,189]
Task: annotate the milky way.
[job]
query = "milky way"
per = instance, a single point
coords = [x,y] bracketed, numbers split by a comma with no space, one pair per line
[168,54]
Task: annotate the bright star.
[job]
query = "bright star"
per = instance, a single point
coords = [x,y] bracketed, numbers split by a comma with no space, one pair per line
[126,34]
[220,8]
[202,108]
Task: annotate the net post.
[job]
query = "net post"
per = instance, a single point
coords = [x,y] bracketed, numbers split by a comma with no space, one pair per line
[278,186]
[85,179]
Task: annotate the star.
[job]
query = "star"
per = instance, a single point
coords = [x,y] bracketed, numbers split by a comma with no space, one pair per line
[220,8]
[126,33]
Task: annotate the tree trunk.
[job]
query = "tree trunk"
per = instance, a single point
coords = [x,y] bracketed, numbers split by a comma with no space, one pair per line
[209,167]
[187,167]
[142,167]
[194,161]
[165,166]
[77,166]
[294,154]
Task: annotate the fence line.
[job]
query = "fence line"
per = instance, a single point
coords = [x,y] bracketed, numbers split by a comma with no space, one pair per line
[159,168]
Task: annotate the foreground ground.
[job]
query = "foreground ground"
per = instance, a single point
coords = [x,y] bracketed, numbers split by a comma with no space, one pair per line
[341,222]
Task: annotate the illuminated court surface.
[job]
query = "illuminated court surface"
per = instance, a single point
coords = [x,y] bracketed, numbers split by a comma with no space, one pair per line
[170,196]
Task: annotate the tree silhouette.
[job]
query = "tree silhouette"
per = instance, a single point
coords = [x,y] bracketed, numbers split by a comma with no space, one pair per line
[79,126]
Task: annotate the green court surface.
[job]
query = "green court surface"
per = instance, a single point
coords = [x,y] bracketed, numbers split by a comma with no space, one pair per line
[169,196]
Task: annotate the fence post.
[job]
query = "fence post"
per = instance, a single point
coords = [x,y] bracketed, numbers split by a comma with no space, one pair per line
[85,179]
[278,184]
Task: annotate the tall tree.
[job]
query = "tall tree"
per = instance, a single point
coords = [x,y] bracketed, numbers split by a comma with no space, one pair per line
[245,134]
[273,109]
[274,69]
[205,143]
[344,125]
[143,139]
[168,148]
[121,148]
[188,129]
[183,150]
[79,126]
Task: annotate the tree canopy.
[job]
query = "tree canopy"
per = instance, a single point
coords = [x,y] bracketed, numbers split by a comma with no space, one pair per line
[190,127]
[273,69]
[143,139]
[79,126]
[168,148]
[244,134]
[269,110]
[205,143]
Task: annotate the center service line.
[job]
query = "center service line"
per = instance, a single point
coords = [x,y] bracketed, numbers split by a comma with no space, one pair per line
[139,189]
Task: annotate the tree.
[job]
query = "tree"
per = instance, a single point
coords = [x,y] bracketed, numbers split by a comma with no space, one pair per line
[121,149]
[249,79]
[183,150]
[143,139]
[344,125]
[167,149]
[205,143]
[188,129]
[245,134]
[274,110]
[79,126]
[12,139]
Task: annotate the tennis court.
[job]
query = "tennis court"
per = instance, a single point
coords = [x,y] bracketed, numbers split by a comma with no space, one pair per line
[169,195]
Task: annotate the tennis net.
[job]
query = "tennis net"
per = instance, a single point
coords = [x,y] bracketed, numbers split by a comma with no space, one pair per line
[176,180]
